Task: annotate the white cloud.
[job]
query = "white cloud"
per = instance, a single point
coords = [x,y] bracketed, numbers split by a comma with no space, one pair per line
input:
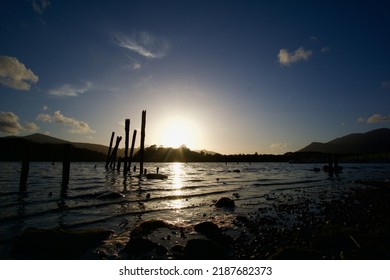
[44,118]
[378,118]
[136,66]
[45,107]
[361,120]
[278,147]
[75,126]
[9,124]
[31,126]
[71,90]
[286,58]
[143,43]
[40,6]
[14,74]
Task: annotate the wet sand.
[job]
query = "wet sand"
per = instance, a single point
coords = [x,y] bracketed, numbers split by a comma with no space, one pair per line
[344,222]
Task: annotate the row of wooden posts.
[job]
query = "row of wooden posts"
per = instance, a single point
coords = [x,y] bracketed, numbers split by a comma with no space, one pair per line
[112,152]
[111,157]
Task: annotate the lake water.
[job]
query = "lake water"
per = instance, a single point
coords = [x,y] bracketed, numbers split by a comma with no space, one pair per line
[185,198]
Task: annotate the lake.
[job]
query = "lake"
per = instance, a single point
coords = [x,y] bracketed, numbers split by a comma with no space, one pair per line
[185,198]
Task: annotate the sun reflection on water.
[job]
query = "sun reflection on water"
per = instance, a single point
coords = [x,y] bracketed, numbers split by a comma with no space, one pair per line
[177,183]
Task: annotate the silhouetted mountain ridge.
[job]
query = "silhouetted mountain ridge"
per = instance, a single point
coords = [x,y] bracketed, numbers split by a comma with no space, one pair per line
[374,141]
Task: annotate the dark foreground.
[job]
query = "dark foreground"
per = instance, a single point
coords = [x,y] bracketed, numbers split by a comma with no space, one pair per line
[354,224]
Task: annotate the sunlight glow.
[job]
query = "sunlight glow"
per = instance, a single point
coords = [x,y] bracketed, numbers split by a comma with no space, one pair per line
[177,174]
[179,131]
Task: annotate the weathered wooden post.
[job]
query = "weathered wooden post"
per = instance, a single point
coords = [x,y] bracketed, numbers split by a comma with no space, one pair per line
[114,151]
[25,168]
[127,130]
[142,148]
[132,147]
[118,167]
[65,165]
[109,150]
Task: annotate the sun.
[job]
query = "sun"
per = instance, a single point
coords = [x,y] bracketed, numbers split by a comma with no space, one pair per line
[179,131]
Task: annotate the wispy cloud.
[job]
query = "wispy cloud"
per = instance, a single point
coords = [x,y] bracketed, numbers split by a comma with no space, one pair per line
[378,118]
[70,90]
[75,126]
[14,74]
[278,147]
[9,124]
[40,6]
[286,58]
[143,43]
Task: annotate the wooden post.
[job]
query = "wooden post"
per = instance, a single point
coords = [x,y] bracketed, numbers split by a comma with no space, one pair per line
[114,151]
[142,148]
[109,150]
[65,165]
[132,147]
[118,168]
[25,169]
[127,130]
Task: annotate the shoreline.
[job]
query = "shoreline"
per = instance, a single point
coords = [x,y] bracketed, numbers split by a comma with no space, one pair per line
[351,222]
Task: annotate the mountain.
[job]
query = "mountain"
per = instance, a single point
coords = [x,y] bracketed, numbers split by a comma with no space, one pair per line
[47,148]
[375,141]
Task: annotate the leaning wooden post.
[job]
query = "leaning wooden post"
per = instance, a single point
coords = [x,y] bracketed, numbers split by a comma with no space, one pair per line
[127,130]
[142,148]
[25,168]
[109,150]
[132,147]
[65,165]
[114,151]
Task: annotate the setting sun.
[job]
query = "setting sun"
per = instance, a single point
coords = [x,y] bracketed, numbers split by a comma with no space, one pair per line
[178,131]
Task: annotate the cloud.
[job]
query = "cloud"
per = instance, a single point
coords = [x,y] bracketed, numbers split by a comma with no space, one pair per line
[45,107]
[9,124]
[325,49]
[143,43]
[40,6]
[14,74]
[75,126]
[136,66]
[286,58]
[278,147]
[361,120]
[31,126]
[378,118]
[70,90]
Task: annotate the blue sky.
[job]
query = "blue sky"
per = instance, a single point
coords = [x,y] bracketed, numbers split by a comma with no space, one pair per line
[227,76]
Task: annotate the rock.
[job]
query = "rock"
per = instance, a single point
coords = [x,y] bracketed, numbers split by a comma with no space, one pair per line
[148,227]
[207,228]
[202,249]
[225,202]
[111,195]
[156,176]
[57,244]
[140,247]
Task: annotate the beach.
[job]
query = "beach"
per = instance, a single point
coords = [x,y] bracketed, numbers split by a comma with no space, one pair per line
[338,216]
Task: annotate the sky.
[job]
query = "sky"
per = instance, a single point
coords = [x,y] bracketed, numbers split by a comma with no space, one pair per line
[233,77]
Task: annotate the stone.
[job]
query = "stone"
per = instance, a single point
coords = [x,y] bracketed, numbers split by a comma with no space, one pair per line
[225,202]
[207,228]
[57,244]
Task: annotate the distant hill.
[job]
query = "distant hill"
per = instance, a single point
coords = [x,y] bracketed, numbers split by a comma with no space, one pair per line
[375,141]
[47,148]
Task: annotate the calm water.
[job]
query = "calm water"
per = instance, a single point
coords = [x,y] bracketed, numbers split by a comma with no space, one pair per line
[186,197]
